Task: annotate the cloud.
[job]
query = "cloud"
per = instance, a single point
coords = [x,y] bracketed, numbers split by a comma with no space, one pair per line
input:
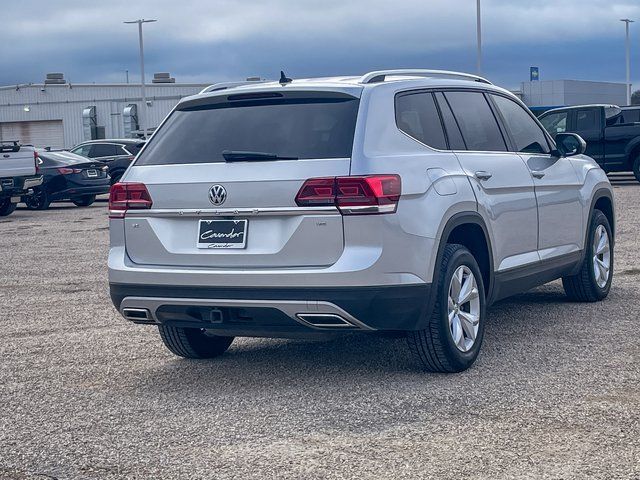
[225,39]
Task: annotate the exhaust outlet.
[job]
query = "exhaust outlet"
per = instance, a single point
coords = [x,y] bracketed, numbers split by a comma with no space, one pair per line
[325,320]
[138,315]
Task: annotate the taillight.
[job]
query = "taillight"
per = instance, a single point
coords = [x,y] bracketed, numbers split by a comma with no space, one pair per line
[128,196]
[352,195]
[68,171]
[36,160]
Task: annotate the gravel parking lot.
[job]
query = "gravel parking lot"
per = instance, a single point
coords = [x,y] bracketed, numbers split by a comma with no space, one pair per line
[83,394]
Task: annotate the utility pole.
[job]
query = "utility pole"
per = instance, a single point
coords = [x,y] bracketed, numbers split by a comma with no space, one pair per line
[144,116]
[626,27]
[479,32]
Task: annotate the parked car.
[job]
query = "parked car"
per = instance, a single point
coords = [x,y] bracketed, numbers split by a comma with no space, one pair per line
[67,177]
[403,201]
[612,133]
[117,153]
[18,174]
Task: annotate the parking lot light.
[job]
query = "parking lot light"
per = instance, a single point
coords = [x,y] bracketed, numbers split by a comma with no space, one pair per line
[143,118]
[626,26]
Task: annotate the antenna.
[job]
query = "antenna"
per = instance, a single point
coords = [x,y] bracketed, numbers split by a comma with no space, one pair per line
[284,79]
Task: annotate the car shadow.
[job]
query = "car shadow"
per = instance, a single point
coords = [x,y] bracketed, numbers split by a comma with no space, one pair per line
[268,363]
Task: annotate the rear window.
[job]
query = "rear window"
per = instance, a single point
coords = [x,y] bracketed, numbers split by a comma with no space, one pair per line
[315,126]
[417,116]
[134,148]
[60,158]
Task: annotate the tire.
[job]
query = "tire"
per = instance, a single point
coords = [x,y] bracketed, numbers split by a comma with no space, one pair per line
[193,342]
[39,200]
[636,168]
[584,286]
[84,201]
[434,347]
[6,207]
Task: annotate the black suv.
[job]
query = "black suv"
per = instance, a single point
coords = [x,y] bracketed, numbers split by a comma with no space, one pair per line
[117,154]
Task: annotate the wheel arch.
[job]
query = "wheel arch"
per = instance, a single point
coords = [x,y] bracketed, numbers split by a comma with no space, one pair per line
[469,229]
[603,201]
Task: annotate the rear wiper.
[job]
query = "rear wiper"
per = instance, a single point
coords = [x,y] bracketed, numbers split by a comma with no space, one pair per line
[238,156]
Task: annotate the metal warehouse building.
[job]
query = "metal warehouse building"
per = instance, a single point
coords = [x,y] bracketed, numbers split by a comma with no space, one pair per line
[560,93]
[59,114]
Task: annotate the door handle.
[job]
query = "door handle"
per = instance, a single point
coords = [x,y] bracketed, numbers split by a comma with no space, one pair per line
[482,175]
[537,174]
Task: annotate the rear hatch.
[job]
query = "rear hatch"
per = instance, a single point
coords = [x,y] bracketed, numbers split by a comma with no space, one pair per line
[223,173]
[16,161]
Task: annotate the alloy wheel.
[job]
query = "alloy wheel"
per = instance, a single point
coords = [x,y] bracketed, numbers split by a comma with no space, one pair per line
[464,308]
[601,256]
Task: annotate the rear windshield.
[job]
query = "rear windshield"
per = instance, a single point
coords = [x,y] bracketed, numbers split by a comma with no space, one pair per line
[61,158]
[316,126]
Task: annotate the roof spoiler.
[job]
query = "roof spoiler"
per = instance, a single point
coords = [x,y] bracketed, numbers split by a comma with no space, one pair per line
[225,85]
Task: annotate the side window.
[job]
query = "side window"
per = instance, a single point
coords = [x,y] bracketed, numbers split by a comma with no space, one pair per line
[587,120]
[120,150]
[525,132]
[83,150]
[478,125]
[456,142]
[555,123]
[103,150]
[134,149]
[417,116]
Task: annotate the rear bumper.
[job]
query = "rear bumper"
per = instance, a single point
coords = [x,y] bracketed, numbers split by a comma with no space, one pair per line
[79,191]
[274,312]
[18,186]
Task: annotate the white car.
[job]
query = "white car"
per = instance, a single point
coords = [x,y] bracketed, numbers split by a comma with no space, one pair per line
[18,174]
[397,201]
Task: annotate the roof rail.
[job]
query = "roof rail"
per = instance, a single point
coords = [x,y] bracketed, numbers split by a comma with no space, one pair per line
[224,85]
[379,76]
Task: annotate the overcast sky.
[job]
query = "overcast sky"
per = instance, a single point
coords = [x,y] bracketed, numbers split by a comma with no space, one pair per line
[214,40]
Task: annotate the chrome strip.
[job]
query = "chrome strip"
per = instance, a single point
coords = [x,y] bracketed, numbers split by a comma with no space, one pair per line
[308,317]
[232,212]
[289,307]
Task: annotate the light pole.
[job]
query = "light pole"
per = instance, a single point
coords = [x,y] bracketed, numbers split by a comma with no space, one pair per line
[143,117]
[479,32]
[626,26]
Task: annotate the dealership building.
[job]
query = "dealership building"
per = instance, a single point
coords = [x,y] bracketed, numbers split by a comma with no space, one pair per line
[60,114]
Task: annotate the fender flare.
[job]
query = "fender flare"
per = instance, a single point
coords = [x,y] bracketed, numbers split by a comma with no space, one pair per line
[461,218]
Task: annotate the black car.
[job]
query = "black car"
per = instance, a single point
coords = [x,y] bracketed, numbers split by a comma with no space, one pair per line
[67,176]
[612,133]
[117,154]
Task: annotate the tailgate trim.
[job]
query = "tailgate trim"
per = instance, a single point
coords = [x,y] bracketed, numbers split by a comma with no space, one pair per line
[232,212]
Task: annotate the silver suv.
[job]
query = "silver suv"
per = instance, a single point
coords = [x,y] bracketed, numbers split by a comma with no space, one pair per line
[399,201]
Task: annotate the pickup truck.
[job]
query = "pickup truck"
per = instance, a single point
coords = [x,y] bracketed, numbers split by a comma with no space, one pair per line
[18,174]
[612,133]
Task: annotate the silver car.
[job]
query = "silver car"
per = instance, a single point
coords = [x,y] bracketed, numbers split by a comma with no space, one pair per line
[399,201]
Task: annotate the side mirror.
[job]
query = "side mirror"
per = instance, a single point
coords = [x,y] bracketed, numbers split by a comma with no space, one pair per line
[570,144]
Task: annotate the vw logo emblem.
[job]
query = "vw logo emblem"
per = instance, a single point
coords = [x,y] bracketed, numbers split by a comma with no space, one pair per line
[217,194]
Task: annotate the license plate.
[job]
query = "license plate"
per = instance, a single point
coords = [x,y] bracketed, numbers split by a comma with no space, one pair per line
[92,173]
[222,233]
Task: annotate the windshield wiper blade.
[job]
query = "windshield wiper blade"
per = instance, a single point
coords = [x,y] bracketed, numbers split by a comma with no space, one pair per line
[239,156]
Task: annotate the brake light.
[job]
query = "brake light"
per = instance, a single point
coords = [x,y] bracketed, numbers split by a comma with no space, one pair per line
[69,171]
[352,195]
[128,196]
[36,161]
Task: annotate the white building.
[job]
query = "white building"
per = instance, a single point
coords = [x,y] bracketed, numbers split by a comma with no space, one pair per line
[560,93]
[59,114]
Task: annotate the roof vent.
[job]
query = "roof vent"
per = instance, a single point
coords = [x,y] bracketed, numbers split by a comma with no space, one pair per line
[55,79]
[163,77]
